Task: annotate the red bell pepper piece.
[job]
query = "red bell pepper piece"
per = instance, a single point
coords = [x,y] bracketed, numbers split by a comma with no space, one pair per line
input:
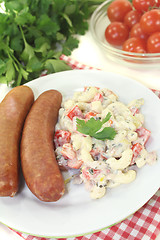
[75,111]
[61,137]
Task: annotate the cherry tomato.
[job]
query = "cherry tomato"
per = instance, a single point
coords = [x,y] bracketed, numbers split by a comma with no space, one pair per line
[131,18]
[153,43]
[136,31]
[118,9]
[150,21]
[143,5]
[136,45]
[158,3]
[116,33]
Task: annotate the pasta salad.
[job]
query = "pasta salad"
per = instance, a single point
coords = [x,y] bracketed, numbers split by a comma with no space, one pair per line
[102,138]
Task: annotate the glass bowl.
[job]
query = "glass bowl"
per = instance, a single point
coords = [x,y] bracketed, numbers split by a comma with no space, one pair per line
[98,23]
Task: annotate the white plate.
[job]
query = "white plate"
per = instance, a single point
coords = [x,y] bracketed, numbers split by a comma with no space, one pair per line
[75,213]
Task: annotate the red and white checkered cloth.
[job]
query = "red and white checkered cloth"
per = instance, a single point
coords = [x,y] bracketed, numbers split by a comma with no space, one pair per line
[142,225]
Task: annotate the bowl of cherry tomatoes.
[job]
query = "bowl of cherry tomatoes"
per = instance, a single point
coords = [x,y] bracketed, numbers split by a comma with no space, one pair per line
[128,31]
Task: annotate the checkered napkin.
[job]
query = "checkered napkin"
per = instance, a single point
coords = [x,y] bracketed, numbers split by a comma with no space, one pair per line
[142,225]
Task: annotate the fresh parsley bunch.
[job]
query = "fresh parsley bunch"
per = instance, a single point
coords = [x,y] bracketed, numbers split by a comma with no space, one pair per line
[33,35]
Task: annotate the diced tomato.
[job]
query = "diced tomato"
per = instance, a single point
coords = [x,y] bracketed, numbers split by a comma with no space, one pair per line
[89,173]
[90,114]
[85,88]
[61,137]
[74,163]
[136,148]
[69,154]
[143,131]
[75,111]
[134,110]
[98,97]
[143,135]
[86,174]
[97,154]
[68,151]
[95,172]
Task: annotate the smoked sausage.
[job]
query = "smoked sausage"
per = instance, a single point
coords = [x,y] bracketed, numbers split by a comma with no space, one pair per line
[39,165]
[13,111]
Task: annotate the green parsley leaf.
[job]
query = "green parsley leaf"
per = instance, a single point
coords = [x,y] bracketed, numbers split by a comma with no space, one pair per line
[27,53]
[24,16]
[67,19]
[106,133]
[92,127]
[45,24]
[34,64]
[24,73]
[106,118]
[82,127]
[10,73]
[16,43]
[70,9]
[69,45]
[53,65]
[2,66]
[10,5]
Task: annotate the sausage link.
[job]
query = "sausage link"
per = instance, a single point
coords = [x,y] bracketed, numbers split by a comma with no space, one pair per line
[39,165]
[13,111]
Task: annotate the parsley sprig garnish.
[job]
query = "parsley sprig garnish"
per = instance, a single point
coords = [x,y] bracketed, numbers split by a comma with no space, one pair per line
[92,127]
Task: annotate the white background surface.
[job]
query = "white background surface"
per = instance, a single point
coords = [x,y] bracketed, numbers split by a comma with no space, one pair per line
[90,54]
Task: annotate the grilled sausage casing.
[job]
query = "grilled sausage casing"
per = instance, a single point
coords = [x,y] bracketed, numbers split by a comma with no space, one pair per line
[13,111]
[39,165]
